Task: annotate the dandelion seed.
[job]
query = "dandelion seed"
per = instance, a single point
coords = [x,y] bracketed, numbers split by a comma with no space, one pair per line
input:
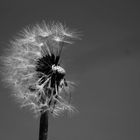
[33,68]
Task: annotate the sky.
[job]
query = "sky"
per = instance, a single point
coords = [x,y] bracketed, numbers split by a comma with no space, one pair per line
[104,64]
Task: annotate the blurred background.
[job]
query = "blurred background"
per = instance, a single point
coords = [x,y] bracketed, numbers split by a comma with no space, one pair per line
[105,65]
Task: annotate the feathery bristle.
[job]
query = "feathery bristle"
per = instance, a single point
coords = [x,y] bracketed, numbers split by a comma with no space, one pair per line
[32,66]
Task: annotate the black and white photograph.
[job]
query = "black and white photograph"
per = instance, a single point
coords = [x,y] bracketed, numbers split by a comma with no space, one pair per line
[69,70]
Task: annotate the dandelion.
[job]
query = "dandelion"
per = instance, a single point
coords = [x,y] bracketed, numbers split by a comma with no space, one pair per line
[32,66]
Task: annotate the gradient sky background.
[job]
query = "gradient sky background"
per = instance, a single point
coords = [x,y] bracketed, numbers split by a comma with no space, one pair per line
[105,64]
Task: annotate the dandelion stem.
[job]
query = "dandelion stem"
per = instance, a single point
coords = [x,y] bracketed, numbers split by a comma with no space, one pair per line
[43,130]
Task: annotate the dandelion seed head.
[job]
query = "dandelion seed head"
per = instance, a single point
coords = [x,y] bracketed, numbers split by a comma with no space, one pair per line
[33,69]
